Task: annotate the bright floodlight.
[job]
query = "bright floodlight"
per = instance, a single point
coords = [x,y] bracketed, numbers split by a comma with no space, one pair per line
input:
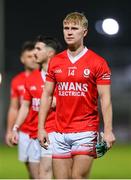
[110,26]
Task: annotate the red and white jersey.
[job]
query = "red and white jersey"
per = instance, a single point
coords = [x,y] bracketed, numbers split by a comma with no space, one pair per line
[33,91]
[17,91]
[76,86]
[18,86]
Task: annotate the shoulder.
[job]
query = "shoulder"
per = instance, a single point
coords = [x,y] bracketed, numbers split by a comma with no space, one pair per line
[96,57]
[97,63]
[18,77]
[33,75]
[59,57]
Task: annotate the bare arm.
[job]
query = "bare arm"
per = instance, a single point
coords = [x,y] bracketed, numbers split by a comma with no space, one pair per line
[11,118]
[46,101]
[106,107]
[22,114]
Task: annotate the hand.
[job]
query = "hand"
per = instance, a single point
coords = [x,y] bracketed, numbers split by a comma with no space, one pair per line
[15,137]
[43,138]
[8,138]
[109,138]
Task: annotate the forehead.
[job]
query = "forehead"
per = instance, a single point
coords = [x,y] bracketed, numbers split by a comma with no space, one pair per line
[40,45]
[72,24]
[28,52]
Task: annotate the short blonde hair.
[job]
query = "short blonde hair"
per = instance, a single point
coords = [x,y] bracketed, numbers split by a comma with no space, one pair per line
[76,18]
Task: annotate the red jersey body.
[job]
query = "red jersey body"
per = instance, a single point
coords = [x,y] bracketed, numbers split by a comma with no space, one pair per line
[33,91]
[17,91]
[76,84]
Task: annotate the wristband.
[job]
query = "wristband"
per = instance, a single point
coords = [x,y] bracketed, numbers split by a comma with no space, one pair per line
[15,128]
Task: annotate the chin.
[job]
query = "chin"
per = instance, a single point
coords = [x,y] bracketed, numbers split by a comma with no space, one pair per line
[69,41]
[37,62]
[71,45]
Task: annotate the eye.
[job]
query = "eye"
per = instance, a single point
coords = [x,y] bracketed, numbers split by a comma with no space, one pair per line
[66,28]
[74,28]
[37,48]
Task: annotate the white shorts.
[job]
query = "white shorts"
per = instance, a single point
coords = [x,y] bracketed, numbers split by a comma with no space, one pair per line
[28,148]
[48,152]
[66,145]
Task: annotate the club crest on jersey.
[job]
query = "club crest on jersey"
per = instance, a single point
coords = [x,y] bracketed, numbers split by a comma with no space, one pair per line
[86,73]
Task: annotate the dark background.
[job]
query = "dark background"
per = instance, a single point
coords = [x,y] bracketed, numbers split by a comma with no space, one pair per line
[26,19]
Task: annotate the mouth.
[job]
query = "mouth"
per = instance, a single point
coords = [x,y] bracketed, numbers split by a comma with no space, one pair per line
[70,38]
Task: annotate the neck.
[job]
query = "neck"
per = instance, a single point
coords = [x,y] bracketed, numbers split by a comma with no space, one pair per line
[74,51]
[45,66]
[28,71]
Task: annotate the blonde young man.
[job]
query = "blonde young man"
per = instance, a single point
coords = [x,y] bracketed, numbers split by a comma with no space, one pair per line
[79,75]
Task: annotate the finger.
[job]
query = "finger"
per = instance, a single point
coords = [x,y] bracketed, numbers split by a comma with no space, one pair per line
[14,140]
[102,136]
[47,140]
[9,143]
[109,145]
[41,142]
[44,145]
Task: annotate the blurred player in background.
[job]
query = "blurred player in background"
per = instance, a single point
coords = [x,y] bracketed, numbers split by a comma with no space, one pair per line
[45,49]
[79,75]
[17,92]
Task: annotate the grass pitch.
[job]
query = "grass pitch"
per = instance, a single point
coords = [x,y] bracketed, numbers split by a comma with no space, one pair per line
[116,164]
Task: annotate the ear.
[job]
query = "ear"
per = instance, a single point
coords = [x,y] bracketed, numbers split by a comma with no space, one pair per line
[51,53]
[22,60]
[85,32]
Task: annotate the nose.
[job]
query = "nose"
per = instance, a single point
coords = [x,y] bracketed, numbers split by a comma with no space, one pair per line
[69,31]
[35,52]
